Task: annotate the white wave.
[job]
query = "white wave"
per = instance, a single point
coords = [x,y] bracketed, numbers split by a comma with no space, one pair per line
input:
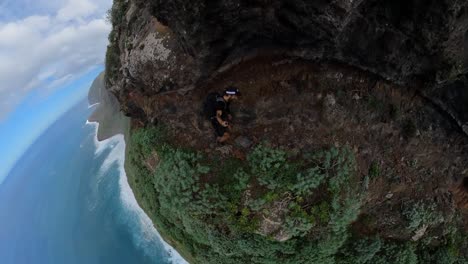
[96,128]
[92,199]
[91,106]
[146,235]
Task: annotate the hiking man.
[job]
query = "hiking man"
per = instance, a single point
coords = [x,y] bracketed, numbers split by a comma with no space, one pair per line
[219,112]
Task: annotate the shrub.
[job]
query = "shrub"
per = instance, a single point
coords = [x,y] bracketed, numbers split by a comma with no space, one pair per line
[442,255]
[270,166]
[232,177]
[149,139]
[343,213]
[242,180]
[321,212]
[257,204]
[112,62]
[391,253]
[374,170]
[419,214]
[339,165]
[307,181]
[177,177]
[209,201]
[298,222]
[360,251]
[115,15]
[245,222]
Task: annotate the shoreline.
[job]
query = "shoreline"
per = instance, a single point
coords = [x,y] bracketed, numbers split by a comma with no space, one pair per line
[127,196]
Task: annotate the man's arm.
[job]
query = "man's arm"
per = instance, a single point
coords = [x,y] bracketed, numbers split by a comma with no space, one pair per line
[219,113]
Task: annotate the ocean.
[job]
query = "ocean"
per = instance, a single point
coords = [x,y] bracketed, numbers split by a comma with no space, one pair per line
[67,200]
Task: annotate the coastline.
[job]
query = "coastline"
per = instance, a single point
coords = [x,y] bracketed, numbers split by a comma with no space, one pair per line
[173,244]
[127,194]
[110,124]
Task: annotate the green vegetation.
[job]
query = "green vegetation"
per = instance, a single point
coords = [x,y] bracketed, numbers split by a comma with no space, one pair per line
[374,170]
[421,214]
[213,211]
[115,16]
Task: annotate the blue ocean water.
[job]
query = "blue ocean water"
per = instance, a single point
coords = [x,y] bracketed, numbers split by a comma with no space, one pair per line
[67,201]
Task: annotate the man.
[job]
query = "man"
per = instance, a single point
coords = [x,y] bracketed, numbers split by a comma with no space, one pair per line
[220,112]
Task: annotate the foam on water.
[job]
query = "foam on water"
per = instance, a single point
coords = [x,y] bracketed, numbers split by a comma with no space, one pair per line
[91,106]
[144,233]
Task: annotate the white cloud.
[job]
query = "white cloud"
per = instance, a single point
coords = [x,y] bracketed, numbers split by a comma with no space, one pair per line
[43,52]
[76,9]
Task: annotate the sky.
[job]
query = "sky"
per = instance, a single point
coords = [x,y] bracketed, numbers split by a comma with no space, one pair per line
[50,52]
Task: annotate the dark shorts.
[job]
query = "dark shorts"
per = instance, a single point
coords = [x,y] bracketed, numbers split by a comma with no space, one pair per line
[219,129]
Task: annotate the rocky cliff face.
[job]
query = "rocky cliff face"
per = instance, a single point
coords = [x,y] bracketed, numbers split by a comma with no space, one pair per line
[396,39]
[172,45]
[383,83]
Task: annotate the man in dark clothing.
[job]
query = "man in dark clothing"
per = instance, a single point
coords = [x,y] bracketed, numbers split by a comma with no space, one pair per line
[221,114]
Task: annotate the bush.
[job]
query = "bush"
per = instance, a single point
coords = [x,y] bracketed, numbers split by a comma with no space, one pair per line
[339,165]
[391,253]
[116,14]
[177,178]
[148,139]
[270,166]
[374,170]
[359,250]
[308,181]
[419,214]
[321,212]
[112,62]
[298,222]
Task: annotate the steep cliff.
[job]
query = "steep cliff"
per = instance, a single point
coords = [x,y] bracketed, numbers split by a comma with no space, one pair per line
[106,110]
[350,141]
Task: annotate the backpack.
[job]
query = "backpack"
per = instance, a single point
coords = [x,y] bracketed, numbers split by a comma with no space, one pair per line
[209,105]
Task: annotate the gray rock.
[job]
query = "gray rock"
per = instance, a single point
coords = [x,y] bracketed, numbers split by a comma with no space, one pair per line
[330,100]
[419,233]
[245,116]
[392,38]
[243,142]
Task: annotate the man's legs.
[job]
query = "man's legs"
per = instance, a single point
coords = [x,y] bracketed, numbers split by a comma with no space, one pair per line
[222,134]
[224,138]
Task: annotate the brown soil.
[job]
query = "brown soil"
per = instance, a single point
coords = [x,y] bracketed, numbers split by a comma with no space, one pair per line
[303,107]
